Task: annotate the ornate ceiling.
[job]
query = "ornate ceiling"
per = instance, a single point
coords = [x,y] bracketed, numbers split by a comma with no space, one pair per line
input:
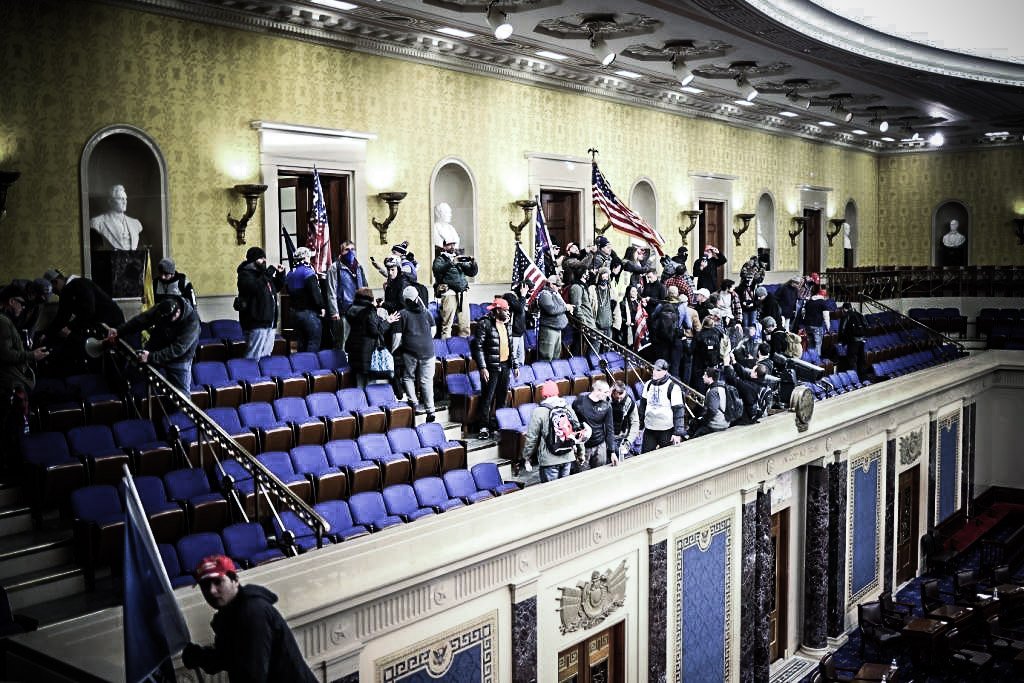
[835,87]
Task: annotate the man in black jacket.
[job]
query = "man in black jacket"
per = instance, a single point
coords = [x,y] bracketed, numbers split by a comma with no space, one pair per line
[492,350]
[256,303]
[83,308]
[595,409]
[414,342]
[173,340]
[517,305]
[252,641]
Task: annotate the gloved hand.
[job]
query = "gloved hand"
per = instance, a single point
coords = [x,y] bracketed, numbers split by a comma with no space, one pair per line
[190,656]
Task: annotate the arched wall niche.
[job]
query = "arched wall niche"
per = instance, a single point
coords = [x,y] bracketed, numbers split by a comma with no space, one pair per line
[765,230]
[643,199]
[452,182]
[849,242]
[124,155]
[950,250]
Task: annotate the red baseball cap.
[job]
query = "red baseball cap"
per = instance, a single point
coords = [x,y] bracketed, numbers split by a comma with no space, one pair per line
[214,567]
[549,389]
[498,303]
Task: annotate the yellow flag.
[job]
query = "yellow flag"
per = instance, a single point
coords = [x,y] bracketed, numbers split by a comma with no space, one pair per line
[148,298]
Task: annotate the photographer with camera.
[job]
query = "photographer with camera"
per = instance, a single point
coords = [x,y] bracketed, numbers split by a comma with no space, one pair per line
[451,271]
[705,268]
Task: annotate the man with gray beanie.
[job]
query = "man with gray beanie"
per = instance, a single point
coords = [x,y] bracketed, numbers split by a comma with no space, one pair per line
[174,336]
[256,303]
[414,342]
[169,281]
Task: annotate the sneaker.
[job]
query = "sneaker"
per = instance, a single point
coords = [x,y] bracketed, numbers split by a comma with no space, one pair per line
[527,466]
[430,417]
[484,434]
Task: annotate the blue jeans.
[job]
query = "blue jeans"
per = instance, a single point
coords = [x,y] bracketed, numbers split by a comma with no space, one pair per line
[307,327]
[552,472]
[179,374]
[814,336]
[261,342]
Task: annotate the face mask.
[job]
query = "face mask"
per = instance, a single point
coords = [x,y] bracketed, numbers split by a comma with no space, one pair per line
[349,257]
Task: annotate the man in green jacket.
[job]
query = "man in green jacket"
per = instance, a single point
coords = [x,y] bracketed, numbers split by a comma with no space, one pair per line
[451,284]
[16,376]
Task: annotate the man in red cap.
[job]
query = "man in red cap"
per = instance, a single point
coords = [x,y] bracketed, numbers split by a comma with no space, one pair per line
[492,350]
[705,268]
[252,641]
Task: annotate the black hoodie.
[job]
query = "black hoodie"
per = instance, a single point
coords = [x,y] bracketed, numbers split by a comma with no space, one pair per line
[257,295]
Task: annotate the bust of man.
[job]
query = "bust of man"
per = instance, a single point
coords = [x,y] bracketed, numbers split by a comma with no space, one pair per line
[118,230]
[954,238]
[847,240]
[444,231]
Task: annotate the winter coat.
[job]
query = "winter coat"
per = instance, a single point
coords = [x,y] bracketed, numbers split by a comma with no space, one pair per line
[14,360]
[83,305]
[171,341]
[179,284]
[449,270]
[536,433]
[485,345]
[603,306]
[786,296]
[304,289]
[706,275]
[552,310]
[517,310]
[393,289]
[415,326]
[714,407]
[367,331]
[599,416]
[342,283]
[257,295]
[253,643]
[582,307]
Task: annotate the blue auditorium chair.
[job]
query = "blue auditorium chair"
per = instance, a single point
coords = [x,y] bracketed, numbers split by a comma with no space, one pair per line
[317,377]
[303,535]
[399,413]
[395,468]
[257,386]
[336,361]
[98,526]
[511,433]
[363,475]
[340,424]
[207,509]
[52,471]
[337,514]
[172,565]
[227,418]
[273,434]
[230,332]
[102,404]
[289,382]
[368,510]
[488,478]
[452,453]
[579,382]
[194,547]
[400,500]
[246,544]
[431,492]
[329,483]
[307,429]
[166,518]
[280,464]
[460,484]
[149,454]
[95,445]
[463,400]
[426,462]
[211,385]
[369,418]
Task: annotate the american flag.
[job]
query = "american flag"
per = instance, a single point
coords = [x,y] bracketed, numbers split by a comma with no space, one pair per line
[524,270]
[542,241]
[641,326]
[623,218]
[318,239]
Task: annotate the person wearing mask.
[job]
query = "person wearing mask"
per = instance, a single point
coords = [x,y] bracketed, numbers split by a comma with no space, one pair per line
[492,351]
[396,282]
[174,336]
[17,377]
[256,303]
[305,300]
[752,271]
[625,419]
[414,340]
[344,277]
[406,261]
[170,281]
[552,320]
[662,411]
[595,409]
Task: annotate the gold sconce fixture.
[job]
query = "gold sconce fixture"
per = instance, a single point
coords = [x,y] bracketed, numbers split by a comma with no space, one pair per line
[251,193]
[7,178]
[745,217]
[527,205]
[800,222]
[837,227]
[1018,228]
[693,215]
[392,199]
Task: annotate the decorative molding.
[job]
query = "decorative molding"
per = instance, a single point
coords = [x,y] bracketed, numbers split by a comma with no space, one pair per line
[590,602]
[910,446]
[434,656]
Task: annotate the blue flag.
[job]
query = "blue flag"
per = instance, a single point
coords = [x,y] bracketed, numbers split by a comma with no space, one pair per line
[154,627]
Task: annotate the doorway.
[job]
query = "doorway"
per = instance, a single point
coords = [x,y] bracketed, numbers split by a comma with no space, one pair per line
[598,659]
[712,229]
[812,241]
[907,524]
[562,213]
[777,626]
[295,205]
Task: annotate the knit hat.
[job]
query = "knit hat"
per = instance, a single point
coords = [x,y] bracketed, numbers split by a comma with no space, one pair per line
[255,254]
[214,567]
[303,254]
[548,389]
[166,266]
[760,292]
[768,322]
[52,274]
[402,248]
[410,293]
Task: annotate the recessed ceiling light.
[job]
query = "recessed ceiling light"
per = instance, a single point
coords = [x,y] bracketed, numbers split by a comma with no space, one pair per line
[744,103]
[693,91]
[335,4]
[888,139]
[858,131]
[551,55]
[788,114]
[458,33]
[627,74]
[937,139]
[826,124]
[1000,134]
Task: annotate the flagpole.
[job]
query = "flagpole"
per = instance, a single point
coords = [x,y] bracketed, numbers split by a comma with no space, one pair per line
[593,206]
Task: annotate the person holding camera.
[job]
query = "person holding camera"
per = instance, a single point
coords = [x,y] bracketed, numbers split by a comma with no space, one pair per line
[256,303]
[451,271]
[16,375]
[705,268]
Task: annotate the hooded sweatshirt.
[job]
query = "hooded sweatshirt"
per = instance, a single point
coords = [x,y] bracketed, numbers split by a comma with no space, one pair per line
[536,433]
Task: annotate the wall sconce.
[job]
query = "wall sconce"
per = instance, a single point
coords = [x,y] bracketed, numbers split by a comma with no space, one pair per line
[837,227]
[693,215]
[251,193]
[392,199]
[800,222]
[7,178]
[1018,228]
[745,217]
[527,205]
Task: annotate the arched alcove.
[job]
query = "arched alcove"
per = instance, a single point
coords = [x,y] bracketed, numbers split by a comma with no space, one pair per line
[452,183]
[951,234]
[644,200]
[126,156]
[850,237]
[765,229]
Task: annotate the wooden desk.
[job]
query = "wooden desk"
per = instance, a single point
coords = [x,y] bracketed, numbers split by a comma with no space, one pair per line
[871,671]
[1009,590]
[955,615]
[922,636]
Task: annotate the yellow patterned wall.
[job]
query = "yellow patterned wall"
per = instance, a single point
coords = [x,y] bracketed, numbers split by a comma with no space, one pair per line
[74,68]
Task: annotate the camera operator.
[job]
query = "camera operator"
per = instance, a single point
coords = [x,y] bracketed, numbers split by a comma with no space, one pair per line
[705,268]
[451,271]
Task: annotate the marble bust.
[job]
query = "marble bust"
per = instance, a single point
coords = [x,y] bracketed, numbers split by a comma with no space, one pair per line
[118,230]
[847,240]
[954,238]
[444,231]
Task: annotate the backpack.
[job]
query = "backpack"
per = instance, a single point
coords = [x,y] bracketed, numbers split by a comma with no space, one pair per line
[668,321]
[709,346]
[765,398]
[560,436]
[794,347]
[733,407]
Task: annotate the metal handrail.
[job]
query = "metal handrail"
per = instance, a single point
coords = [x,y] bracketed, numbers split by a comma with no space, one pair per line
[631,356]
[261,475]
[903,318]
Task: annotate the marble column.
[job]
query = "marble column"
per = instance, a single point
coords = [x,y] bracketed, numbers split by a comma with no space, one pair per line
[657,604]
[933,450]
[815,627]
[967,460]
[757,590]
[524,632]
[837,546]
[888,540]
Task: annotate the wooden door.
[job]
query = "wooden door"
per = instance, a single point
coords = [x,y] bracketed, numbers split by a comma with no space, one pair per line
[812,241]
[598,659]
[712,229]
[295,197]
[907,524]
[777,626]
[562,212]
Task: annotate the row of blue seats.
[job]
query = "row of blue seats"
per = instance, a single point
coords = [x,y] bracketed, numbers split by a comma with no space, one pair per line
[231,382]
[835,384]
[946,320]
[919,360]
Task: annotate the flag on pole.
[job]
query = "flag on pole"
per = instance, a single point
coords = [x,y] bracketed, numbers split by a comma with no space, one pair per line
[148,297]
[623,218]
[154,627]
[542,240]
[641,327]
[318,239]
[524,270]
